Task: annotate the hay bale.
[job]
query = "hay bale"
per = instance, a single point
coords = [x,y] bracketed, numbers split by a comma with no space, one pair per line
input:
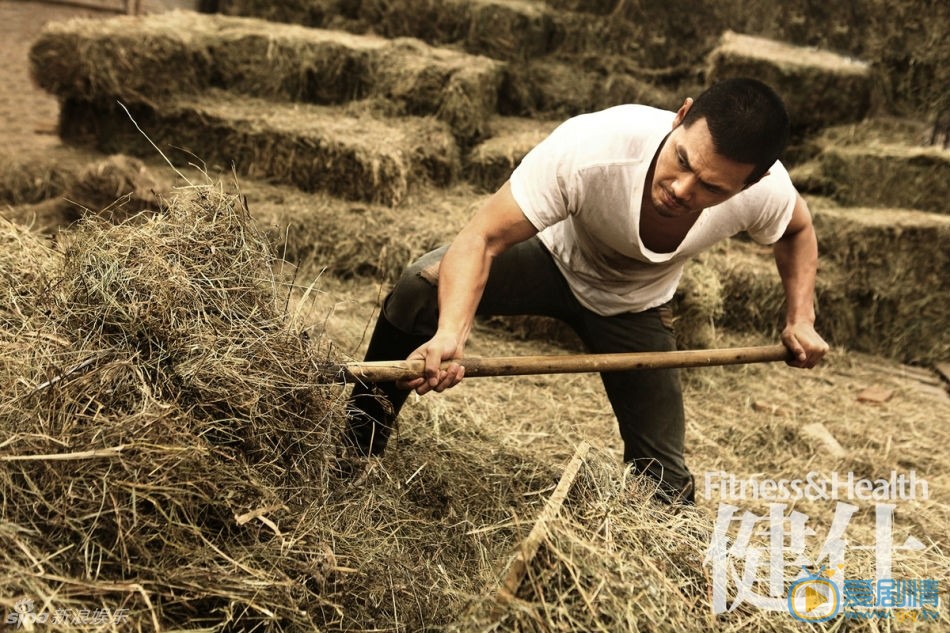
[809,178]
[284,62]
[143,58]
[29,181]
[898,272]
[752,295]
[429,20]
[698,305]
[316,148]
[490,163]
[599,7]
[568,88]
[879,287]
[875,131]
[501,29]
[314,13]
[319,233]
[904,41]
[820,88]
[646,32]
[509,29]
[136,59]
[460,89]
[128,58]
[33,176]
[888,176]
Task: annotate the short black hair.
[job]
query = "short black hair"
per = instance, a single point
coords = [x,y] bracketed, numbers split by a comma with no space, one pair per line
[747,120]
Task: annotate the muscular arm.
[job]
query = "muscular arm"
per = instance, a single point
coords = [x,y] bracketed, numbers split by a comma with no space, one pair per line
[796,256]
[497,225]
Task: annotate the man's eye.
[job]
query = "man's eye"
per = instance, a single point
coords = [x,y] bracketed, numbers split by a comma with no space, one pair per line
[681,160]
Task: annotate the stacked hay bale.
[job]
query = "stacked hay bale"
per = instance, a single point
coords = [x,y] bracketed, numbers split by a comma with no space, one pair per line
[819,88]
[129,58]
[489,165]
[888,176]
[353,152]
[895,267]
[879,163]
[355,156]
[904,41]
[556,88]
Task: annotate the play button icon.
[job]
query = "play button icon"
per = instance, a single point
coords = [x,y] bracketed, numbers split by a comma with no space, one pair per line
[813,599]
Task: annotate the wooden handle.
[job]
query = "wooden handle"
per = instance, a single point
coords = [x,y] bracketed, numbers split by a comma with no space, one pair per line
[388,371]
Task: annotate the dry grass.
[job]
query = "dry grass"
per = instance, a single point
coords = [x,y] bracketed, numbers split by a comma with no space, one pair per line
[153,389]
[170,447]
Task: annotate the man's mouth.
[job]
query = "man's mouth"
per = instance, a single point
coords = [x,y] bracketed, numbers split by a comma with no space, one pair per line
[669,201]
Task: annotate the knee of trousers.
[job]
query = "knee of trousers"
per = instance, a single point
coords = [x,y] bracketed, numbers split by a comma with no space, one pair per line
[413,304]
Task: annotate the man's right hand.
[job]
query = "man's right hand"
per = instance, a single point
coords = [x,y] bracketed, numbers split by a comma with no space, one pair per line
[441,347]
[463,273]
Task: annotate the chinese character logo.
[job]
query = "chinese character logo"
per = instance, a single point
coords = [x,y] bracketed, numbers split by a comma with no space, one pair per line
[814,598]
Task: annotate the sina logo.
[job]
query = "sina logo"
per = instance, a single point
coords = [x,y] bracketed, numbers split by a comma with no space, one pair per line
[814,598]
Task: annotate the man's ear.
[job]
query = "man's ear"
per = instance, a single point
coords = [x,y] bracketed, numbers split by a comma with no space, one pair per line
[681,113]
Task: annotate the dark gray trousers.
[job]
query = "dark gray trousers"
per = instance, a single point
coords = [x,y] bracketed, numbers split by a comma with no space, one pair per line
[525,280]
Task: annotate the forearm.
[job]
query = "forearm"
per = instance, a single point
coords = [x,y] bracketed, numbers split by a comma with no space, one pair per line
[796,257]
[462,277]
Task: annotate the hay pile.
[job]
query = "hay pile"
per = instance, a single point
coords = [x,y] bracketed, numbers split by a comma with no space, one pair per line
[153,390]
[148,59]
[352,155]
[613,561]
[168,444]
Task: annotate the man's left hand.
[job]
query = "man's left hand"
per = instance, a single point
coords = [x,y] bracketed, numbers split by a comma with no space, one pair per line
[806,345]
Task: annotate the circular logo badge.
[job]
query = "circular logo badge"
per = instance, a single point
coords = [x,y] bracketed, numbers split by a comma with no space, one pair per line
[814,599]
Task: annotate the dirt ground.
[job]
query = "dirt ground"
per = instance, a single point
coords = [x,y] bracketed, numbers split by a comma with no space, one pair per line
[27,114]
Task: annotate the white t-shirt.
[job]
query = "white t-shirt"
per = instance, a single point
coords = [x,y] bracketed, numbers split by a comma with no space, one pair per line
[582,186]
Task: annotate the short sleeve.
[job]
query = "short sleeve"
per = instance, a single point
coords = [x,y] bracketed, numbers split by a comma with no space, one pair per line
[770,203]
[545,185]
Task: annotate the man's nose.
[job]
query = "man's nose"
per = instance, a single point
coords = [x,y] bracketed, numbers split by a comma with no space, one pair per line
[683,186]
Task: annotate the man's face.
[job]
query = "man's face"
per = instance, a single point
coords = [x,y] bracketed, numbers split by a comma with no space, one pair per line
[689,175]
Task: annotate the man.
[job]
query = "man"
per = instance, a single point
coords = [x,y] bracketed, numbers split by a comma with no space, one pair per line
[593,228]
